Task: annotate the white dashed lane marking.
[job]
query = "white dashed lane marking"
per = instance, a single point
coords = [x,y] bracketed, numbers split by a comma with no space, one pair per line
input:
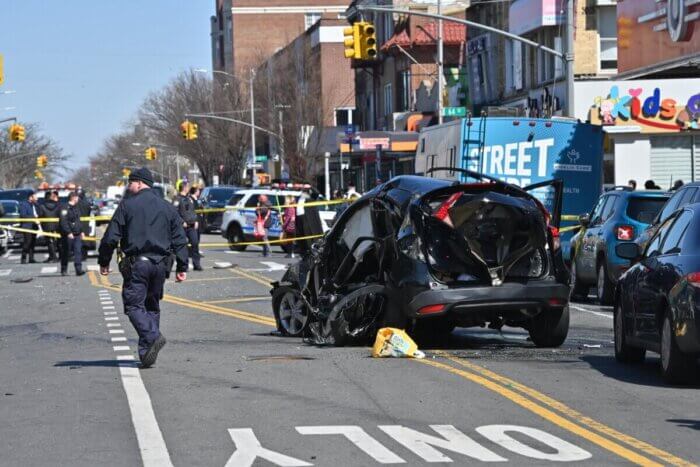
[116,331]
[121,348]
[118,339]
[5,272]
[111,318]
[113,325]
[125,357]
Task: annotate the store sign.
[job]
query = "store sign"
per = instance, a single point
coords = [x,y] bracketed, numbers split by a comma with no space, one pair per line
[651,111]
[372,143]
[527,15]
[656,31]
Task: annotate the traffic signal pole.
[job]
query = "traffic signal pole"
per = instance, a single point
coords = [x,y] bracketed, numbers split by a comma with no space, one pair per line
[440,60]
[568,57]
[253,177]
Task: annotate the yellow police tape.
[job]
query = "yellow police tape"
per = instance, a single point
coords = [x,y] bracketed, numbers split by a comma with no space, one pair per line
[42,232]
[278,207]
[40,220]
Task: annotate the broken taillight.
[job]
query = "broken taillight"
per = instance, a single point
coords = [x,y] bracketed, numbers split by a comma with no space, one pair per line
[443,212]
[624,232]
[556,238]
[430,309]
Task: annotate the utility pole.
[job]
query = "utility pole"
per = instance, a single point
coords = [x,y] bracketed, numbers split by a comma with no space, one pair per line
[569,59]
[281,141]
[253,176]
[440,60]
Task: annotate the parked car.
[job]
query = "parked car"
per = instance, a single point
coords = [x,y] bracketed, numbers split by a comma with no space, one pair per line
[687,194]
[19,194]
[426,254]
[11,208]
[215,197]
[106,207]
[238,222]
[620,215]
[657,300]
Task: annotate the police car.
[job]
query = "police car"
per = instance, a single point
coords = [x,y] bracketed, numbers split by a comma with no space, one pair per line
[238,221]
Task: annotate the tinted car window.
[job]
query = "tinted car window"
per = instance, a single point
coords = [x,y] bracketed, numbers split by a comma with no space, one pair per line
[10,208]
[671,205]
[598,207]
[676,233]
[234,200]
[220,195]
[654,246]
[17,195]
[597,217]
[609,208]
[687,197]
[644,209]
[252,201]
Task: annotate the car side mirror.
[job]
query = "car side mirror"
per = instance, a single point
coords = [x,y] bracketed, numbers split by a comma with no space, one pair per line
[584,220]
[628,250]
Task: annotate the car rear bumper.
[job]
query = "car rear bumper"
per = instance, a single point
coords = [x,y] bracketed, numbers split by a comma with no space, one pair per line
[528,299]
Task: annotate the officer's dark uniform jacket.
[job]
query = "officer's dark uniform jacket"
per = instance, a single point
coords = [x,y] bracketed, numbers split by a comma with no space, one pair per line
[69,222]
[145,225]
[186,208]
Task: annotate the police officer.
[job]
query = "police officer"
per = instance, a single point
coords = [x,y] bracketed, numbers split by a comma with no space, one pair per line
[186,208]
[51,209]
[149,231]
[71,235]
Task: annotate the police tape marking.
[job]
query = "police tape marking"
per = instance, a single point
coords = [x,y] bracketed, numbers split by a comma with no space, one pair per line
[531,443]
[5,272]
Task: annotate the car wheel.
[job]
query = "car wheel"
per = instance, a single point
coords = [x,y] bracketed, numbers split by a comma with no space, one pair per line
[578,289]
[624,352]
[676,367]
[550,327]
[235,235]
[356,316]
[291,313]
[604,287]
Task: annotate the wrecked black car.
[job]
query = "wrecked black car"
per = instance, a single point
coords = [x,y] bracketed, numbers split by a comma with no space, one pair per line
[428,255]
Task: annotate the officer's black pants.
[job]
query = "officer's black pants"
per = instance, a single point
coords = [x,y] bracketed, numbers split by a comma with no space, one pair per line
[66,243]
[28,242]
[51,245]
[141,293]
[193,240]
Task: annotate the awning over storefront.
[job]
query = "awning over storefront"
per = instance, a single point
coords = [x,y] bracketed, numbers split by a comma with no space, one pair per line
[367,141]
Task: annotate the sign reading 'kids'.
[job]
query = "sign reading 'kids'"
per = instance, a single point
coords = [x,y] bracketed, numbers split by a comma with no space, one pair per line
[650,112]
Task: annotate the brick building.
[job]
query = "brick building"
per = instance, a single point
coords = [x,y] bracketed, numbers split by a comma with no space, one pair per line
[244,33]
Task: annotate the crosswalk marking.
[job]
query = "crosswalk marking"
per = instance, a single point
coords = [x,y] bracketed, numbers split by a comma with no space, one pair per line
[93,267]
[49,270]
[5,272]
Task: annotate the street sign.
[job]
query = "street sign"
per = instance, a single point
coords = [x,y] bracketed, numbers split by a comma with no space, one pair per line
[454,112]
[261,158]
[253,166]
[350,130]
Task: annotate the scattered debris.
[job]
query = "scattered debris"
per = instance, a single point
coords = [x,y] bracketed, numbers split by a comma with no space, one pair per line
[224,265]
[392,342]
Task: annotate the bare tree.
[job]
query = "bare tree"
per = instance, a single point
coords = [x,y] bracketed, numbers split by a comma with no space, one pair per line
[18,159]
[220,147]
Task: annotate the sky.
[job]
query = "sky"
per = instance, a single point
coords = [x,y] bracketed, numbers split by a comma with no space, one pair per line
[81,68]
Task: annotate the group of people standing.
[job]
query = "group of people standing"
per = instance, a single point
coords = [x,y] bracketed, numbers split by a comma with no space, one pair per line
[187,203]
[70,227]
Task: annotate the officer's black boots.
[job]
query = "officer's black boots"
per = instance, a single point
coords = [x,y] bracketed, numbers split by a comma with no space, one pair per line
[79,272]
[149,358]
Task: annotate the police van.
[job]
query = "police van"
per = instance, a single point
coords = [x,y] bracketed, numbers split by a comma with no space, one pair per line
[238,221]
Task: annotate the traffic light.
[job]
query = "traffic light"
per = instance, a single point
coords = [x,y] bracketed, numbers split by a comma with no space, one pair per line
[352,41]
[38,175]
[368,41]
[189,130]
[151,153]
[17,132]
[42,161]
[126,173]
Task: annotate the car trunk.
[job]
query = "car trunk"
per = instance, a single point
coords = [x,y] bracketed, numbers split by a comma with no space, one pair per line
[483,236]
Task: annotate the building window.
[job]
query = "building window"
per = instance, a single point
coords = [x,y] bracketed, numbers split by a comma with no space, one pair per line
[607,31]
[404,91]
[344,116]
[310,19]
[388,27]
[388,100]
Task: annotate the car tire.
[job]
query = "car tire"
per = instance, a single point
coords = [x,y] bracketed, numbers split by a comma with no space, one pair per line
[604,286]
[291,313]
[235,235]
[624,353]
[676,367]
[578,289]
[550,327]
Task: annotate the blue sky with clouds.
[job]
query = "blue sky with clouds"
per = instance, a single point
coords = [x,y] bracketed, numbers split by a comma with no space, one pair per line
[81,68]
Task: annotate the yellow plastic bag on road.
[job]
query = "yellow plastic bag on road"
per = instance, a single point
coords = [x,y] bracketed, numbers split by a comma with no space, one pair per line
[392,342]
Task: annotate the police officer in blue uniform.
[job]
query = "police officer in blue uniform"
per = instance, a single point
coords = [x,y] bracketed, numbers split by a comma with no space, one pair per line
[186,207]
[72,235]
[148,231]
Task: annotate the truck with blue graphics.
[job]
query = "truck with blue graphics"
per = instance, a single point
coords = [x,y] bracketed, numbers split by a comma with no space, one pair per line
[522,151]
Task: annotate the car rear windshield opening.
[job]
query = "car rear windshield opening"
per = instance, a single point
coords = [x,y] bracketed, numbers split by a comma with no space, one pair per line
[644,209]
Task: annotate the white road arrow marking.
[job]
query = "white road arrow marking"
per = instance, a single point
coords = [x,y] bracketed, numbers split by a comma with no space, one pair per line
[359,438]
[248,448]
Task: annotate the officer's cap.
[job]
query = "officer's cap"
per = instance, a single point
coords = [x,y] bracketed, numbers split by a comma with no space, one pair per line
[142,174]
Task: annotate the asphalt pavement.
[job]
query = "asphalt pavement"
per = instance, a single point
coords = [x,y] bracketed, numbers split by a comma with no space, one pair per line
[227,390]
